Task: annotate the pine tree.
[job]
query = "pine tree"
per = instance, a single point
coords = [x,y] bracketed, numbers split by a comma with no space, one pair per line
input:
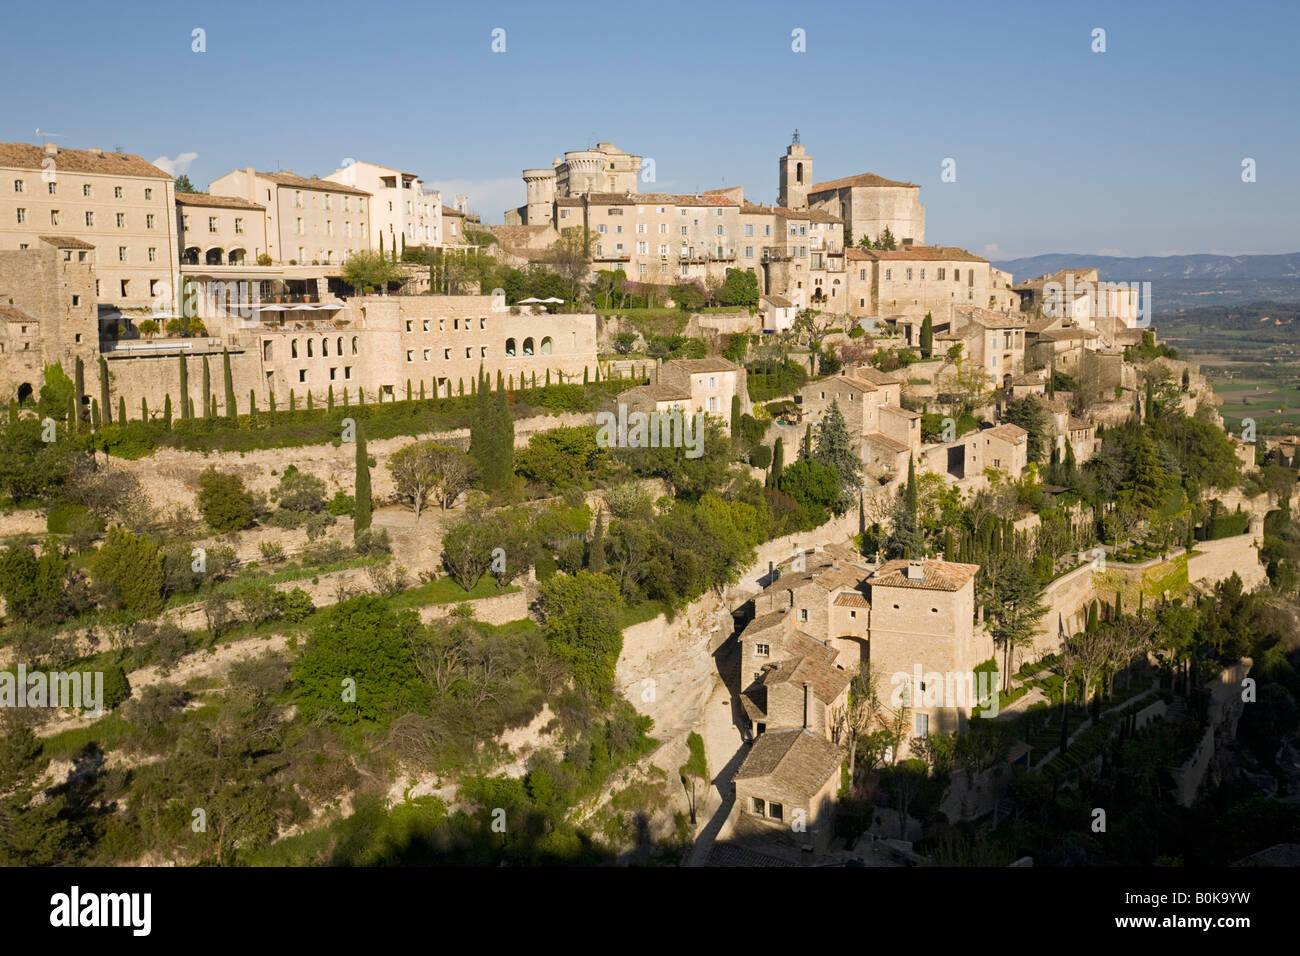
[185,388]
[835,451]
[167,412]
[596,550]
[232,411]
[927,336]
[207,389]
[362,506]
[104,401]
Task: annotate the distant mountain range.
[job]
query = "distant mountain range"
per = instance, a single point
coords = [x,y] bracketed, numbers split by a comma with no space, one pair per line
[1181,282]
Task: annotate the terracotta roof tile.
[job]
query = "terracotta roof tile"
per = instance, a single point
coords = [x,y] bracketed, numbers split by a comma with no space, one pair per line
[224,202]
[862,179]
[295,181]
[29,157]
[936,575]
[799,759]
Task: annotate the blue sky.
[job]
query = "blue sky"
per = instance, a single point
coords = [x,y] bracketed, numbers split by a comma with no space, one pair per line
[1134,151]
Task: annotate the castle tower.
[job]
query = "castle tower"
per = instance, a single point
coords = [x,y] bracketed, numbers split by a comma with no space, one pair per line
[540,187]
[796,176]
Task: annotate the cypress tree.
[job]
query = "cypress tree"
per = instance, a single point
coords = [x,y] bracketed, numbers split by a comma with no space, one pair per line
[361,513]
[501,381]
[121,409]
[207,389]
[167,412]
[191,408]
[309,404]
[79,391]
[421,389]
[73,424]
[584,375]
[460,386]
[252,402]
[510,382]
[1092,618]
[735,417]
[345,396]
[778,462]
[270,400]
[293,401]
[13,410]
[232,411]
[927,336]
[185,388]
[104,402]
[912,495]
[329,398]
[805,450]
[94,414]
[1119,605]
[144,409]
[548,378]
[408,389]
[361,395]
[596,555]
[505,440]
[534,378]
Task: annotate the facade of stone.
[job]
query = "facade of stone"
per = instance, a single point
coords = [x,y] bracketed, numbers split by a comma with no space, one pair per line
[400,209]
[120,204]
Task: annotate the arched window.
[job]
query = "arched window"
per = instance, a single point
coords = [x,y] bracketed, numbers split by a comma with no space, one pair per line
[309,350]
[510,346]
[339,343]
[546,346]
[798,172]
[293,348]
[325,348]
[354,345]
[528,346]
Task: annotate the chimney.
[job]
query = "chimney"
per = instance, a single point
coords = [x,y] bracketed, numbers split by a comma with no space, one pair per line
[807,705]
[916,570]
[51,148]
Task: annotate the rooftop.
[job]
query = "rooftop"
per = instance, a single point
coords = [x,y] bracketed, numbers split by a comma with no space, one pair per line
[935,575]
[800,759]
[289,178]
[862,179]
[224,202]
[27,156]
[915,254]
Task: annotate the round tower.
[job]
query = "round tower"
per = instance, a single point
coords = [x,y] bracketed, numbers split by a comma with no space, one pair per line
[540,187]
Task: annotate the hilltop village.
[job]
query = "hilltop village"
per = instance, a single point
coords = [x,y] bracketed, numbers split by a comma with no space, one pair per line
[309,472]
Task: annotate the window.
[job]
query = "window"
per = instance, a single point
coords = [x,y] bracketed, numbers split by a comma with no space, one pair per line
[124,287]
[803,614]
[302,375]
[775,811]
[54,189]
[763,650]
[300,232]
[921,724]
[22,216]
[117,192]
[239,224]
[90,219]
[446,355]
[54,217]
[426,355]
[909,275]
[410,355]
[347,371]
[943,273]
[121,253]
[153,253]
[148,221]
[212,223]
[888,273]
[749,230]
[18,185]
[85,190]
[758,806]
[148,194]
[333,373]
[76,300]
[720,230]
[121,220]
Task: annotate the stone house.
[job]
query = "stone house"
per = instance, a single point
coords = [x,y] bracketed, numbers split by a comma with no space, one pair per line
[785,789]
[691,385]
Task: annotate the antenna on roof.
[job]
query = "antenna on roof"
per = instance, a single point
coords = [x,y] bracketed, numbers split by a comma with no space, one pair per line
[796,136]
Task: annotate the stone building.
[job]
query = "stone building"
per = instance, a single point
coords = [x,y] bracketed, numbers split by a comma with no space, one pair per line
[995,341]
[120,204]
[691,385]
[884,433]
[785,790]
[828,613]
[312,220]
[48,313]
[400,209]
[602,169]
[220,230]
[867,203]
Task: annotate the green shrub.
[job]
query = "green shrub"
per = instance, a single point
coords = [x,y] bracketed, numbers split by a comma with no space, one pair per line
[63,515]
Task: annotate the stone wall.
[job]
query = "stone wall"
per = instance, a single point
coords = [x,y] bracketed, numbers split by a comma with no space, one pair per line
[497,609]
[1215,560]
